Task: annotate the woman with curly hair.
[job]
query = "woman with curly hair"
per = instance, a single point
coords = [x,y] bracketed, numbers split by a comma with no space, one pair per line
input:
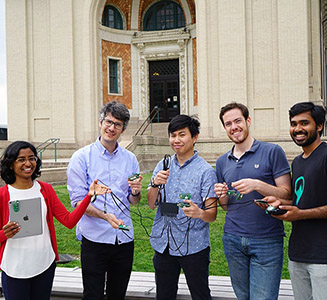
[28,263]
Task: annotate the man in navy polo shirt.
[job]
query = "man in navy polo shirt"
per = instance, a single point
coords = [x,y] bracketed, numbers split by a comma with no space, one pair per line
[253,240]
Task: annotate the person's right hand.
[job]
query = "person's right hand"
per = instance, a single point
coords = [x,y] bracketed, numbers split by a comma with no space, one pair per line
[221,189]
[113,221]
[10,229]
[161,177]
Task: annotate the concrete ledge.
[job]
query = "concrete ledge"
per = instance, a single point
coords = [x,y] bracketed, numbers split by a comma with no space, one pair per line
[68,285]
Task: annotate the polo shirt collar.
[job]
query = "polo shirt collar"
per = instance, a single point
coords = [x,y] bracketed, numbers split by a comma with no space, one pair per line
[253,149]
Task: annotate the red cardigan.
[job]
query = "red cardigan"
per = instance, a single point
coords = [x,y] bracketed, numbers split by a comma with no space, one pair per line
[54,209]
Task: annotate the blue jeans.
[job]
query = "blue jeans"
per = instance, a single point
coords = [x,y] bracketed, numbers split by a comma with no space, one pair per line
[255,266]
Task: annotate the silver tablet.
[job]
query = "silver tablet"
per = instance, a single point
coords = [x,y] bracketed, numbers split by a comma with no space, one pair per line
[27,213]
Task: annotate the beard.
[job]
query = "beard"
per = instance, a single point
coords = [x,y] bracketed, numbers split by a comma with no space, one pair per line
[310,139]
[240,139]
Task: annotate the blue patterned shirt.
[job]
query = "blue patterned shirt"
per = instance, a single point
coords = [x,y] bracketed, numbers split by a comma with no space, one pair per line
[184,235]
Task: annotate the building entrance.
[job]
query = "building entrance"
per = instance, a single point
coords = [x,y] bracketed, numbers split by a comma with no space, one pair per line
[164,88]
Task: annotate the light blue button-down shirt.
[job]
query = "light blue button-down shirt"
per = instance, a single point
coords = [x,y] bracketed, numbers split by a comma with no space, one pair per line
[95,162]
[184,235]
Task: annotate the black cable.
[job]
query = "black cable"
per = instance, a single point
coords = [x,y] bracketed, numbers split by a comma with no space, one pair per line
[165,166]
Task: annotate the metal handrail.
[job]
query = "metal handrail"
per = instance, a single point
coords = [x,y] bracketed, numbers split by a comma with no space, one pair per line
[43,146]
[154,113]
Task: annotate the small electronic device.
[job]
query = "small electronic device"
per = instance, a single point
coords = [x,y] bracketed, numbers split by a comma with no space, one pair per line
[185,196]
[272,210]
[169,209]
[261,201]
[124,227]
[234,193]
[133,176]
[183,204]
[27,213]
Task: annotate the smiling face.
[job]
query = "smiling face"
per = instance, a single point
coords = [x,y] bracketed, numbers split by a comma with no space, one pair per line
[109,133]
[303,129]
[237,128]
[24,165]
[181,141]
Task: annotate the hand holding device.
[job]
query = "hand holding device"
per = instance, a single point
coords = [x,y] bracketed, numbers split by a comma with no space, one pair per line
[272,210]
[10,229]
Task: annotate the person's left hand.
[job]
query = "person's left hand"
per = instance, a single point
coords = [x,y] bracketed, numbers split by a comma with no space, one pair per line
[193,211]
[11,229]
[98,189]
[245,186]
[136,185]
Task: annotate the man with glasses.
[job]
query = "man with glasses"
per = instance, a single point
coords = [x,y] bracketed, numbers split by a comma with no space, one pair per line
[106,249]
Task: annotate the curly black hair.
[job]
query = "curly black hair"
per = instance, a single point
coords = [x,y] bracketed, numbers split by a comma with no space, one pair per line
[9,157]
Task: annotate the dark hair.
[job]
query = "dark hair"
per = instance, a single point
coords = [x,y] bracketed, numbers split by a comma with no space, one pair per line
[318,112]
[182,121]
[117,110]
[232,105]
[9,157]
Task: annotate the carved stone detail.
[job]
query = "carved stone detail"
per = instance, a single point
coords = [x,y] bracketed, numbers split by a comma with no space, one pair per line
[153,49]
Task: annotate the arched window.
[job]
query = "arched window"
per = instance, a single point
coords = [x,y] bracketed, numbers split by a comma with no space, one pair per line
[164,15]
[112,18]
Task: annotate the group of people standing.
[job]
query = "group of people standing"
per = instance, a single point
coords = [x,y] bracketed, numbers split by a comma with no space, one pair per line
[186,192]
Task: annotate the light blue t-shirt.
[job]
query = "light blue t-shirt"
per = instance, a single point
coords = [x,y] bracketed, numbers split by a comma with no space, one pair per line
[266,162]
[184,235]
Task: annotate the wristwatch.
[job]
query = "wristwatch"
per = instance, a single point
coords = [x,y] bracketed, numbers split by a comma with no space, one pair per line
[153,184]
[135,195]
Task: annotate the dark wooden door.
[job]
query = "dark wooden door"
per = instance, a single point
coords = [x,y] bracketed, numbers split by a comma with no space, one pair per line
[164,88]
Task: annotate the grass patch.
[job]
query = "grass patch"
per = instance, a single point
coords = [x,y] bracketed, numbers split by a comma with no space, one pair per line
[143,252]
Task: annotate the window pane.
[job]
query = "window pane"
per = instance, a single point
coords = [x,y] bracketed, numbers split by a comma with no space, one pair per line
[164,15]
[112,18]
[113,76]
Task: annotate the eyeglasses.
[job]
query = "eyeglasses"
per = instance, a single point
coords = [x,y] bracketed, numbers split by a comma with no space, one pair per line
[108,123]
[23,160]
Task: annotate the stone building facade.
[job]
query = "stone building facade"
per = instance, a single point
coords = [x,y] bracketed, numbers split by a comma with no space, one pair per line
[65,59]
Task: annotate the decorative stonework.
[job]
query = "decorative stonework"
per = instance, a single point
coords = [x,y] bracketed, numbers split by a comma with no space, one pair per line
[161,46]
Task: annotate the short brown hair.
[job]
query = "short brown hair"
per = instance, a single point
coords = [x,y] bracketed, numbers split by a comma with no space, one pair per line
[231,106]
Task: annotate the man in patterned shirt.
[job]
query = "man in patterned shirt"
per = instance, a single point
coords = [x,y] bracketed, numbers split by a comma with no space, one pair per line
[180,235]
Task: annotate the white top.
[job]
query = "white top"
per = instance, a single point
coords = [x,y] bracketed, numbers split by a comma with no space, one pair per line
[28,256]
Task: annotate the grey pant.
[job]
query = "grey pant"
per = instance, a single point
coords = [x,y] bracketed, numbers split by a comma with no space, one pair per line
[309,281]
